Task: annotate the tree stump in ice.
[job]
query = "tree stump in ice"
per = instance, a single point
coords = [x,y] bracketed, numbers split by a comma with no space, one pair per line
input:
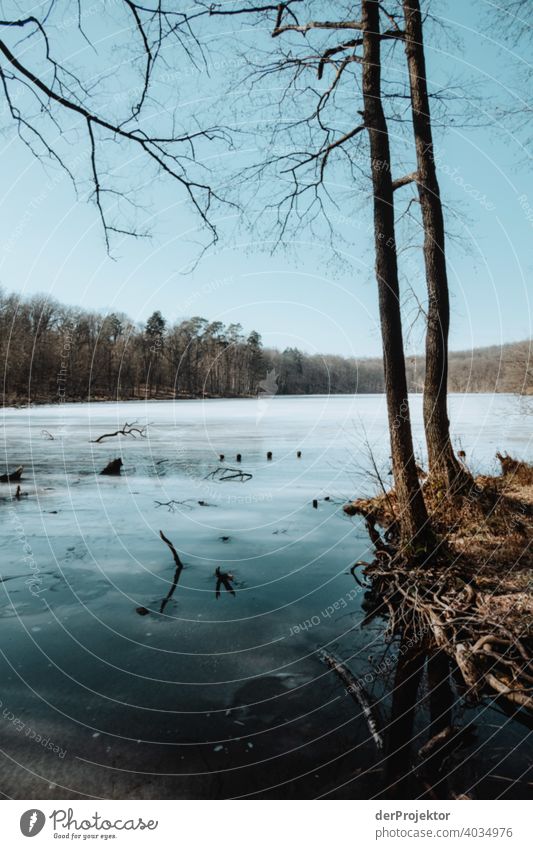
[113,468]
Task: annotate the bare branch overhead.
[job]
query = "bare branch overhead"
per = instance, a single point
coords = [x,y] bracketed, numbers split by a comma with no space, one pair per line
[31,74]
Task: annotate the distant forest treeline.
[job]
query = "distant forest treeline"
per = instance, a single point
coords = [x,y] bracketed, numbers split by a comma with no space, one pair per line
[52,352]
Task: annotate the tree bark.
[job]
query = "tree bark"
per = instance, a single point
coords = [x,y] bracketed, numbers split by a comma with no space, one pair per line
[413,519]
[443,463]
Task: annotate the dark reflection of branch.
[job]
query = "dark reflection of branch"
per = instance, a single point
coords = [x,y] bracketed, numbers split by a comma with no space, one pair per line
[223,579]
[177,573]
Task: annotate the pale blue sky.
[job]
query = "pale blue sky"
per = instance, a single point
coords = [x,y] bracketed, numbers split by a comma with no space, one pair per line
[51,242]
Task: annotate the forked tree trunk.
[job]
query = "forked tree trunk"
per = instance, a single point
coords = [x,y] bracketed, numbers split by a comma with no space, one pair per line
[413,517]
[443,463]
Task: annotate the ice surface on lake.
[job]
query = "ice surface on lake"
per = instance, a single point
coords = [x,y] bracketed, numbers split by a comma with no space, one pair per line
[168,704]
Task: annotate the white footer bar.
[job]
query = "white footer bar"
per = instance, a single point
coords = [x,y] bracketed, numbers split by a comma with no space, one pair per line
[269,824]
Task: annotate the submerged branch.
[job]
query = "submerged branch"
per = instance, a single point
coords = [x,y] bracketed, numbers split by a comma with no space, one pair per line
[357,691]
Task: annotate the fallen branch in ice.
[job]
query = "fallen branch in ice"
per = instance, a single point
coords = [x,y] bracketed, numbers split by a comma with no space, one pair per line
[177,573]
[354,689]
[175,554]
[132,429]
[223,579]
[224,473]
[173,504]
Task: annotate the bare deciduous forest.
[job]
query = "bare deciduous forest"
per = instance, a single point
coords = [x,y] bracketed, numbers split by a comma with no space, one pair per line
[53,352]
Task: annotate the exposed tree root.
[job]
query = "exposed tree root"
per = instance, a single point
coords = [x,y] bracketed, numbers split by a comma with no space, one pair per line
[449,615]
[471,598]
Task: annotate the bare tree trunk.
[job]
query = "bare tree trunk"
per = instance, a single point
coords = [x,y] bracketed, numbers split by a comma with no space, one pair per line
[443,463]
[413,517]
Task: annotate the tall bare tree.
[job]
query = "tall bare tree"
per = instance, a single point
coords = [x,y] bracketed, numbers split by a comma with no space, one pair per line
[413,518]
[302,168]
[443,463]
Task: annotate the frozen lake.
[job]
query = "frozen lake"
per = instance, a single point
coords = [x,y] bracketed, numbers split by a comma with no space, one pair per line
[213,697]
